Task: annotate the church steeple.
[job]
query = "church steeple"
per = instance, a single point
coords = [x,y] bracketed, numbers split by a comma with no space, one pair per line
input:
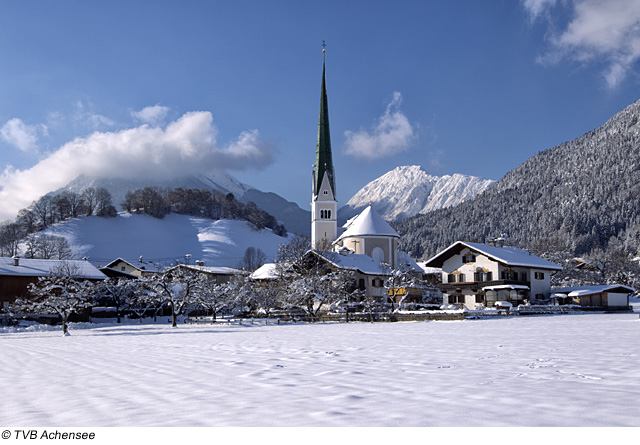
[324,207]
[324,162]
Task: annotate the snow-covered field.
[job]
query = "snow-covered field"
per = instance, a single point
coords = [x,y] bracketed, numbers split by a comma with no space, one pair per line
[162,241]
[565,370]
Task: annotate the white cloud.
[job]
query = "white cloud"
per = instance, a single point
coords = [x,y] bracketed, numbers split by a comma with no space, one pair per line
[186,146]
[537,7]
[88,118]
[393,133]
[153,115]
[20,135]
[597,32]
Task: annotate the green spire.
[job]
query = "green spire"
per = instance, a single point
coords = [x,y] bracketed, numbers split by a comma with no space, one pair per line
[324,164]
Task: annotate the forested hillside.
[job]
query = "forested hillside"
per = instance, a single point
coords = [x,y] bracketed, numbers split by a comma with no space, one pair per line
[580,197]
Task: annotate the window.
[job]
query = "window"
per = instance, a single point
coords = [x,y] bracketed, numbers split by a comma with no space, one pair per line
[361,284]
[325,192]
[539,275]
[509,275]
[378,254]
[469,258]
[123,268]
[325,214]
[482,276]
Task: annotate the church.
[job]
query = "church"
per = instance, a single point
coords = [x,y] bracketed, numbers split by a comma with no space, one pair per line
[368,245]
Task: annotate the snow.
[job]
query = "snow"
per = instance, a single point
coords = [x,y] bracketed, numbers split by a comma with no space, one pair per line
[368,223]
[163,241]
[591,290]
[509,255]
[355,262]
[408,190]
[506,286]
[508,371]
[267,271]
[42,268]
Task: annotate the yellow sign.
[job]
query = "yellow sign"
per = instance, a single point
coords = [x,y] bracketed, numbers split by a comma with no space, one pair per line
[397,291]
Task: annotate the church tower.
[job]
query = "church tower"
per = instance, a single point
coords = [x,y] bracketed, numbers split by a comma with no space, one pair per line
[324,206]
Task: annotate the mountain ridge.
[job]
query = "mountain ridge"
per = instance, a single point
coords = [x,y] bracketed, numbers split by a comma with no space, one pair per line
[578,197]
[409,190]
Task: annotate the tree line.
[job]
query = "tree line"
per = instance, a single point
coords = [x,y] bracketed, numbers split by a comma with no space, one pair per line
[212,204]
[22,237]
[46,211]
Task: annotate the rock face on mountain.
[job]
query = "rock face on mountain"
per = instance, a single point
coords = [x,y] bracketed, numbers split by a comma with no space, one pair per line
[409,190]
[578,197]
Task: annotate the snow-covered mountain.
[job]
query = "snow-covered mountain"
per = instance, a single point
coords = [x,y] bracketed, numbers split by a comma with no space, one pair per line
[288,213]
[409,190]
[163,241]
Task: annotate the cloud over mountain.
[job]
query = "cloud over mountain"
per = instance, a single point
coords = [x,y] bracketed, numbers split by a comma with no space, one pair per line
[392,133]
[20,135]
[186,146]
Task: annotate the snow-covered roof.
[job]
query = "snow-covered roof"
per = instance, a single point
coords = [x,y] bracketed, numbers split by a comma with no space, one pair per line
[507,255]
[404,258]
[578,291]
[368,223]
[143,266]
[28,267]
[265,272]
[214,270]
[356,261]
[429,270]
[507,286]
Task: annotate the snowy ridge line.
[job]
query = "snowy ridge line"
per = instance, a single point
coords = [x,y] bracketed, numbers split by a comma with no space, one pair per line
[409,190]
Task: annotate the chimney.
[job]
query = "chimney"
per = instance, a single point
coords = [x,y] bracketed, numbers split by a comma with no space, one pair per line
[16,261]
[199,263]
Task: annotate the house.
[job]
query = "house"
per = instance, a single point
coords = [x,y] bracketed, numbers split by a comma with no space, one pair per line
[370,275]
[475,274]
[266,272]
[129,268]
[219,274]
[609,296]
[431,275]
[17,273]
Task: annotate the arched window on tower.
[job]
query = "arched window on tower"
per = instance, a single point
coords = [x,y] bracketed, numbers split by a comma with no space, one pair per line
[378,254]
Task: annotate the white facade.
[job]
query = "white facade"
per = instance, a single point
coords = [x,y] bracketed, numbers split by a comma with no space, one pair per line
[479,275]
[324,217]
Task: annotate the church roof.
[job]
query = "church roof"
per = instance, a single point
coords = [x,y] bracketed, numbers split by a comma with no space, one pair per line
[356,262]
[368,223]
[324,162]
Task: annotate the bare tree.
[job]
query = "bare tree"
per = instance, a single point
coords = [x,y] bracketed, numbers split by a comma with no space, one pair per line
[218,296]
[399,279]
[117,292]
[253,259]
[89,200]
[10,236]
[177,287]
[62,292]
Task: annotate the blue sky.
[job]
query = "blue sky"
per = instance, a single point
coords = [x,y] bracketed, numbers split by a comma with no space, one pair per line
[164,88]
